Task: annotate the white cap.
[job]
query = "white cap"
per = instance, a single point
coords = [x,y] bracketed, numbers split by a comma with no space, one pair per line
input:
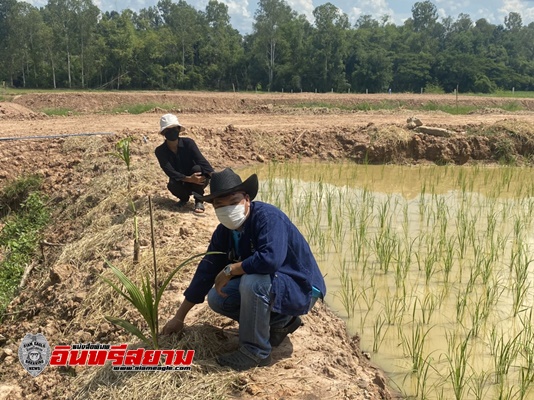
[169,121]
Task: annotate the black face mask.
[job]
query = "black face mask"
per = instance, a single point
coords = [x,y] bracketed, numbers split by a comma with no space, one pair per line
[172,134]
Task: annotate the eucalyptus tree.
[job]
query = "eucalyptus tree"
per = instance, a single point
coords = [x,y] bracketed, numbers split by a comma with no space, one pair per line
[28,30]
[293,74]
[15,51]
[149,50]
[148,19]
[85,15]
[418,46]
[517,41]
[330,47]
[6,9]
[58,15]
[116,45]
[184,23]
[370,64]
[220,50]
[268,39]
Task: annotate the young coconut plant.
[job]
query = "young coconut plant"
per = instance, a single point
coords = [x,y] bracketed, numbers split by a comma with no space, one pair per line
[123,153]
[144,299]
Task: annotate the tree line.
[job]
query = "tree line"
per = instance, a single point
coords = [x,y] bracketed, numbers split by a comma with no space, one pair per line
[72,44]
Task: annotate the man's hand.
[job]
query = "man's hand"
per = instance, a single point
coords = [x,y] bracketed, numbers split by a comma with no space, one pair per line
[197,178]
[220,281]
[174,325]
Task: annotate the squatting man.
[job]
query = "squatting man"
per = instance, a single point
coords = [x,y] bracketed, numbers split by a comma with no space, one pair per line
[266,279]
[182,161]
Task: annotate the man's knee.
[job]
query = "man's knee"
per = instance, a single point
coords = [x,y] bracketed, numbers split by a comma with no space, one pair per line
[214,300]
[223,305]
[255,284]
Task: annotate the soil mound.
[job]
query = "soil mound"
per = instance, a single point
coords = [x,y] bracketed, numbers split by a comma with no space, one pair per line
[249,102]
[18,112]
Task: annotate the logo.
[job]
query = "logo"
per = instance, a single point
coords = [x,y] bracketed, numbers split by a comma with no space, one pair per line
[121,358]
[34,353]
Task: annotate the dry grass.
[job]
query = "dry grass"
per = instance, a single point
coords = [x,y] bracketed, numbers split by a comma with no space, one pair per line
[107,222]
[391,135]
[206,380]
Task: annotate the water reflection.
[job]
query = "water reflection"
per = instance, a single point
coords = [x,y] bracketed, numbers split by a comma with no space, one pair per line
[430,265]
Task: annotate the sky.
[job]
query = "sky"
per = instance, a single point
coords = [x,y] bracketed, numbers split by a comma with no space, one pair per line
[242,11]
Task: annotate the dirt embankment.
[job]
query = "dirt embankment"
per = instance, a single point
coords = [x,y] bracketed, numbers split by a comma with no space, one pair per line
[247,102]
[65,300]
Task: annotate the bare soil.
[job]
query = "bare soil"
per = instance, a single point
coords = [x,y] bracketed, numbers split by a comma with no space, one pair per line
[64,299]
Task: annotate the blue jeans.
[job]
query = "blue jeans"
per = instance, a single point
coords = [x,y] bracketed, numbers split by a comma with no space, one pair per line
[248,302]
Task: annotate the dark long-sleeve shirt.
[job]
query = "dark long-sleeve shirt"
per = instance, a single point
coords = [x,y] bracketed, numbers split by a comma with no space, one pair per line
[178,166]
[269,244]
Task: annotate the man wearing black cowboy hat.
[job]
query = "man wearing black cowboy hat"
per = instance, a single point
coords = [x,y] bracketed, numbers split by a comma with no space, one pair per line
[266,278]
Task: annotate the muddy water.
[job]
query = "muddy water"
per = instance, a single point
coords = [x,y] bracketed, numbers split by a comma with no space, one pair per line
[432,266]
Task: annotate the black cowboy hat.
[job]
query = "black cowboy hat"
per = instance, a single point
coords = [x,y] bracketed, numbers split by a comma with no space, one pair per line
[227,182]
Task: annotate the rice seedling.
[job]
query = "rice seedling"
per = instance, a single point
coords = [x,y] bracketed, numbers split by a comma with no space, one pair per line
[379,333]
[383,212]
[403,262]
[429,262]
[504,392]
[461,304]
[478,384]
[461,232]
[423,388]
[479,316]
[505,352]
[427,307]
[349,290]
[448,258]
[394,309]
[385,246]
[457,358]
[458,248]
[413,344]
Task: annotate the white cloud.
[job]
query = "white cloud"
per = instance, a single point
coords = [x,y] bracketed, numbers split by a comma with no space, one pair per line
[376,8]
[518,6]
[242,11]
[302,7]
[240,16]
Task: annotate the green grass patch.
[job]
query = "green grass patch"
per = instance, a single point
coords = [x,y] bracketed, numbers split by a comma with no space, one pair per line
[19,237]
[141,108]
[363,106]
[16,192]
[505,93]
[455,110]
[59,111]
[512,106]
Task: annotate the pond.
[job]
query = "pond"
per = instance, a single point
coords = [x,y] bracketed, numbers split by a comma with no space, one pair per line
[431,265]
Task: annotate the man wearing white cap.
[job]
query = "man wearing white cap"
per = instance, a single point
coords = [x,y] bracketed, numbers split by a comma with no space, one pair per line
[182,161]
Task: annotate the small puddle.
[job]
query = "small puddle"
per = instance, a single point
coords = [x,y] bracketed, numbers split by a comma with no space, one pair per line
[431,265]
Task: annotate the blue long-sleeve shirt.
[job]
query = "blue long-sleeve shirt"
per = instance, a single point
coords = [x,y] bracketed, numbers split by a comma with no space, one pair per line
[269,244]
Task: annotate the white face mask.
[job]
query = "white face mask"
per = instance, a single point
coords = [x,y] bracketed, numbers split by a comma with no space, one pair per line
[231,216]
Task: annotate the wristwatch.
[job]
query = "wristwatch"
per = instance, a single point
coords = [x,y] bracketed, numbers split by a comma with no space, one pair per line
[228,270]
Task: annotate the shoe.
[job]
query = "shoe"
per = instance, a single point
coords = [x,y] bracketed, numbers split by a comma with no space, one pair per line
[199,207]
[240,361]
[278,335]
